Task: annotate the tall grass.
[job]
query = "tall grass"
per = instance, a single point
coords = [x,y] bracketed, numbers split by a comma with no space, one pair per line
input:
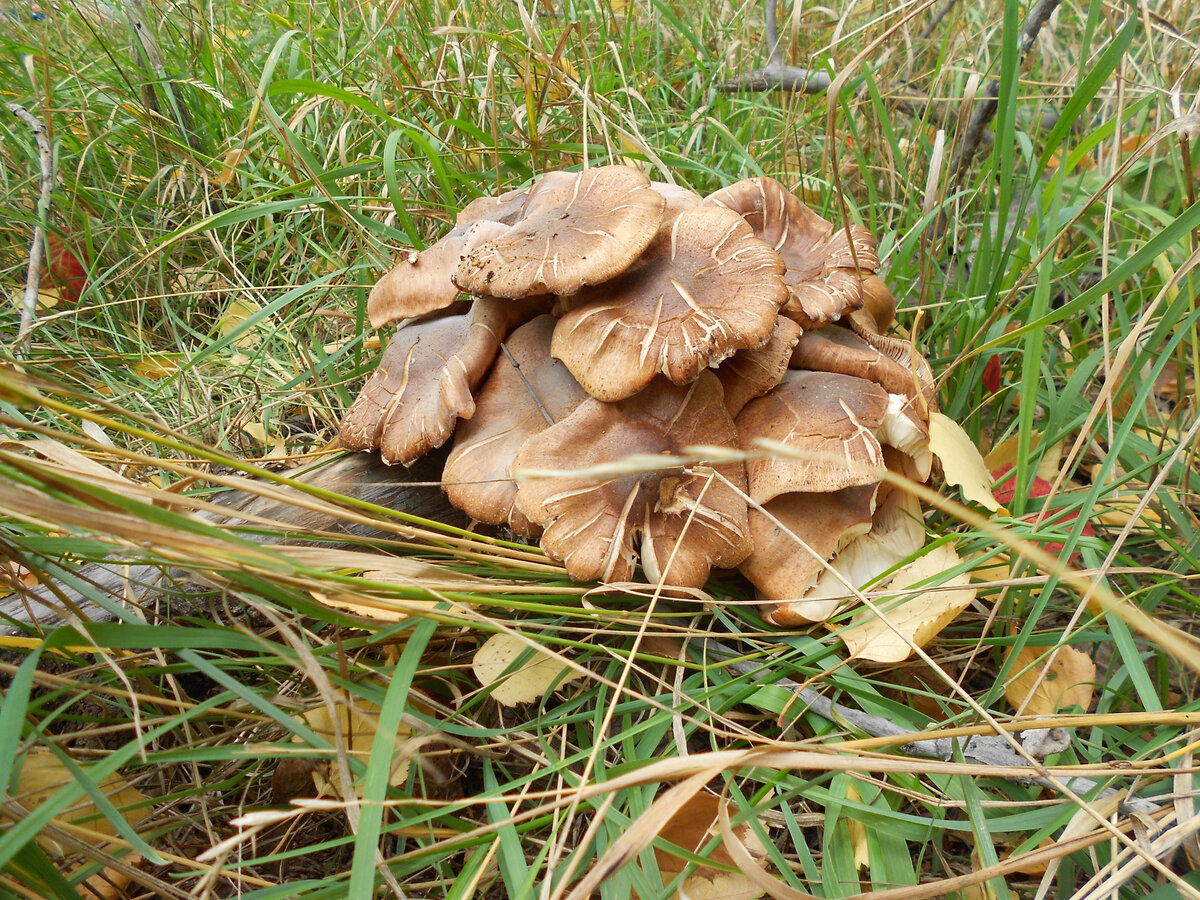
[241,176]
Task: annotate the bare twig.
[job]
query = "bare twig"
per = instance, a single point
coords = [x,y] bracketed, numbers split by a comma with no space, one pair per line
[775,76]
[988,750]
[985,109]
[38,245]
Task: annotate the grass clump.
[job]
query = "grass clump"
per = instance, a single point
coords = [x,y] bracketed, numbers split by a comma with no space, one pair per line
[235,179]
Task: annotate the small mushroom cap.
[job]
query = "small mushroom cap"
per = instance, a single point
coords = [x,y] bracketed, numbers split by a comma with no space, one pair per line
[897,532]
[830,418]
[879,307]
[423,282]
[842,351]
[505,208]
[795,534]
[525,393]
[706,289]
[425,379]
[691,518]
[751,373]
[573,230]
[824,265]
[906,423]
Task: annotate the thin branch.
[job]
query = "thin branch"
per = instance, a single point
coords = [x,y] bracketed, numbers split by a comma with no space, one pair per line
[985,109]
[38,246]
[987,750]
[775,76]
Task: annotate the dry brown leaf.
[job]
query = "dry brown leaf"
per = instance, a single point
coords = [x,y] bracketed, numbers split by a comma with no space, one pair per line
[358,727]
[692,827]
[919,618]
[962,463]
[1068,682]
[42,775]
[532,681]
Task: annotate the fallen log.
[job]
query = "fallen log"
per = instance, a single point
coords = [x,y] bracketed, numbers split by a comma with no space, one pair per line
[263,511]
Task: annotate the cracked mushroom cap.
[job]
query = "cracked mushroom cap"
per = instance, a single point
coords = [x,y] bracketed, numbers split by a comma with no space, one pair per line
[706,289]
[574,229]
[796,534]
[526,392]
[425,379]
[825,265]
[689,519]
[831,419]
[423,282]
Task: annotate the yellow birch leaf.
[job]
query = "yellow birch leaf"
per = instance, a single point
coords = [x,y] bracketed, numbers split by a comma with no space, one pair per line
[1005,454]
[917,619]
[236,313]
[1068,682]
[530,682]
[42,775]
[358,726]
[962,462]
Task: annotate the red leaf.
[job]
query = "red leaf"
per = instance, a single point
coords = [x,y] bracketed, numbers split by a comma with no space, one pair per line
[65,268]
[991,375]
[1006,490]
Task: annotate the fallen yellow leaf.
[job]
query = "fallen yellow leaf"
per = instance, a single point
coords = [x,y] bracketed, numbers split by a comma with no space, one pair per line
[531,681]
[358,727]
[692,828]
[42,775]
[915,620]
[962,462]
[1038,691]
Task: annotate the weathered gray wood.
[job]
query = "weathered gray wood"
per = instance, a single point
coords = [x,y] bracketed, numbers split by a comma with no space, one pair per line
[358,476]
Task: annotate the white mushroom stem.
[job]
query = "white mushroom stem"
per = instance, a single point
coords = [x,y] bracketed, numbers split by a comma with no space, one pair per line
[900,430]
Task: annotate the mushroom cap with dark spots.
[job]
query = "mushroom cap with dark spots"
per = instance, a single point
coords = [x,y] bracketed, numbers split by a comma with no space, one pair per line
[573,230]
[705,289]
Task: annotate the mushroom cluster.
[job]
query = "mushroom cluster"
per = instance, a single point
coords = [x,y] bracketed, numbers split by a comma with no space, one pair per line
[595,324]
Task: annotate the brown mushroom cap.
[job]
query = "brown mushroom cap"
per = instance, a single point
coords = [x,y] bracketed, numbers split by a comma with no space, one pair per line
[525,393]
[824,265]
[751,373]
[707,289]
[843,351]
[897,532]
[879,307]
[795,534]
[906,423]
[424,381]
[830,418]
[690,518]
[573,230]
[422,282]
